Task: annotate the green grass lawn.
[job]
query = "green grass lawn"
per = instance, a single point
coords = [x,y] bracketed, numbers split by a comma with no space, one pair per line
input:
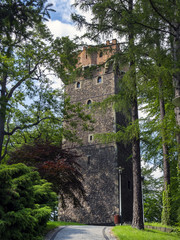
[129,233]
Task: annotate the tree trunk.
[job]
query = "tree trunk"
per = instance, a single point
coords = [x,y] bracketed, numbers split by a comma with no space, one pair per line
[137,190]
[137,221]
[166,167]
[2,123]
[3,106]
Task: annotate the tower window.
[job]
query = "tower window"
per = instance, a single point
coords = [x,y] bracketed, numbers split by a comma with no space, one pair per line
[78,85]
[99,80]
[90,138]
[89,102]
[88,159]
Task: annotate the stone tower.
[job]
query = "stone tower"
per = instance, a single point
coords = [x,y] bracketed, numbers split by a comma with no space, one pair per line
[108,189]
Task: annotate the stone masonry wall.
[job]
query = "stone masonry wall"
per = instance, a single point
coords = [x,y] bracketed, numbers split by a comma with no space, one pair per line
[101,185]
[99,162]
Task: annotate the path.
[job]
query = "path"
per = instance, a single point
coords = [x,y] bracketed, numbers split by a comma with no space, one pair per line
[82,233]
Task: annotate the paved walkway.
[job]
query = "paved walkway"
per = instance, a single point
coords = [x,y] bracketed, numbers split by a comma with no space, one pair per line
[81,233]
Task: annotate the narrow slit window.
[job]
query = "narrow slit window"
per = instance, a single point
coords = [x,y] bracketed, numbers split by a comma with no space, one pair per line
[88,160]
[90,138]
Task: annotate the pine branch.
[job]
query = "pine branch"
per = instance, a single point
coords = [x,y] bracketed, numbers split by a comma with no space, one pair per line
[163,17]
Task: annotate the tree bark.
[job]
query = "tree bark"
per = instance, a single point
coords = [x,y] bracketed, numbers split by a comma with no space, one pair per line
[166,166]
[2,124]
[137,221]
[3,104]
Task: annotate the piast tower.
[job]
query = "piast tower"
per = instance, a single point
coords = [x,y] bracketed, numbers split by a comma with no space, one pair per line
[106,168]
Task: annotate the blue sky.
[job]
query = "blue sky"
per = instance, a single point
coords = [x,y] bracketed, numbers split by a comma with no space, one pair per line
[60,23]
[63,10]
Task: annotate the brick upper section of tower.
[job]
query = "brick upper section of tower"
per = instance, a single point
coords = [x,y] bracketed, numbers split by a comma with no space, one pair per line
[98,57]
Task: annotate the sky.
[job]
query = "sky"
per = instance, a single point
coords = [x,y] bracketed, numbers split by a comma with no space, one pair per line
[60,23]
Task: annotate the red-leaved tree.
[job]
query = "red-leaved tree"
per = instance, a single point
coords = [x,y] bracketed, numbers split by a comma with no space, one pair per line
[56,165]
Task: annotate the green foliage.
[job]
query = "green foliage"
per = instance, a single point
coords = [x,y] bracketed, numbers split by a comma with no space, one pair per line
[175,194]
[152,195]
[157,224]
[26,55]
[26,203]
[166,220]
[154,51]
[75,117]
[123,134]
[30,107]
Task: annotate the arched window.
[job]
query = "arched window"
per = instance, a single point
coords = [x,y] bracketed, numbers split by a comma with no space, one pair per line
[78,85]
[99,80]
[89,103]
[101,54]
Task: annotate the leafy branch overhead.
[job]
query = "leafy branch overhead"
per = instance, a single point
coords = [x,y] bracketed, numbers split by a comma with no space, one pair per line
[30,58]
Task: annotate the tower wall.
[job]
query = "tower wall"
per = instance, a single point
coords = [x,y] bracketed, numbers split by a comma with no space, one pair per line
[100,162]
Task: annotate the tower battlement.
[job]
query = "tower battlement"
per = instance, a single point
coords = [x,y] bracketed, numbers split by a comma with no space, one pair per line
[99,56]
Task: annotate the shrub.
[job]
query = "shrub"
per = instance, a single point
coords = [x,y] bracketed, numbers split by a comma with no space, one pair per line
[26,202]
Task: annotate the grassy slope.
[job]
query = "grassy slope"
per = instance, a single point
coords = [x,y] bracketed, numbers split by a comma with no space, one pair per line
[129,233]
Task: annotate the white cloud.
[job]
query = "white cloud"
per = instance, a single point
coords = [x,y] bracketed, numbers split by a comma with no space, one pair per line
[157,173]
[59,29]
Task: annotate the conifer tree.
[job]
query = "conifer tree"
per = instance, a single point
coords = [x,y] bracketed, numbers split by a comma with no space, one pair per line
[26,203]
[157,35]
[168,14]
